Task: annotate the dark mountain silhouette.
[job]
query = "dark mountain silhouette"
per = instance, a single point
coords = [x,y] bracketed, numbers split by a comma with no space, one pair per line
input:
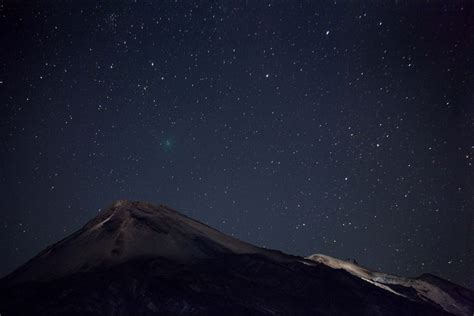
[138,259]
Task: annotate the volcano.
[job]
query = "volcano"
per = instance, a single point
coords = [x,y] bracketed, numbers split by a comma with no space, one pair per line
[135,258]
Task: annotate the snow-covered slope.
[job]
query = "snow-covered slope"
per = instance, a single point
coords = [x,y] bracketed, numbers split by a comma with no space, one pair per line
[129,230]
[457,300]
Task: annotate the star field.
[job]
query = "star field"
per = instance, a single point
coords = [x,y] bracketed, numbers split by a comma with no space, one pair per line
[343,128]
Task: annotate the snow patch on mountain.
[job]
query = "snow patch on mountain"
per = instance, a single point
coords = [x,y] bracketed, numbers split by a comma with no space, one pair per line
[424,290]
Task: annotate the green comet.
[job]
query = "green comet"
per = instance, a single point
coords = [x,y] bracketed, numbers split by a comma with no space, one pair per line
[167,144]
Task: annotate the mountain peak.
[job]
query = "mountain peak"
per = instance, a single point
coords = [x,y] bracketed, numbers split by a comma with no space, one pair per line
[120,210]
[128,230]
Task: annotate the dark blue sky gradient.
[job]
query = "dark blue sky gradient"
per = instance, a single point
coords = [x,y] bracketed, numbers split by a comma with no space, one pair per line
[343,128]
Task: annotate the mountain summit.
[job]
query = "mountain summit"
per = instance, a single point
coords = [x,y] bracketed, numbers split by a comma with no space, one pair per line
[138,259]
[130,230]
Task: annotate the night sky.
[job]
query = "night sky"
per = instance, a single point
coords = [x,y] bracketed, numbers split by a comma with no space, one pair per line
[343,128]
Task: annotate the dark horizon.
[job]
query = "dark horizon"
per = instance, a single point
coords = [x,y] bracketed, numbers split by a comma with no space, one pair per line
[337,128]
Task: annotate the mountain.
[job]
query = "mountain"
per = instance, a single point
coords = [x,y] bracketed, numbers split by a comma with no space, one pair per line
[127,231]
[138,259]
